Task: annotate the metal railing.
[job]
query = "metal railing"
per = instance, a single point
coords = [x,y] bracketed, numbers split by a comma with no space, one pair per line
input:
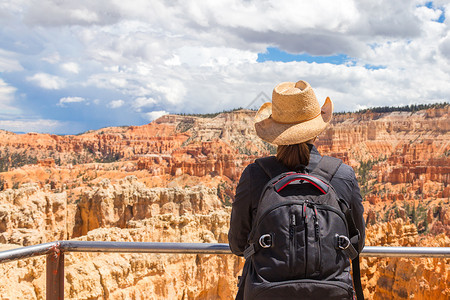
[55,254]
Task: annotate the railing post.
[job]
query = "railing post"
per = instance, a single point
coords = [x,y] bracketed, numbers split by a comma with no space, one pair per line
[55,275]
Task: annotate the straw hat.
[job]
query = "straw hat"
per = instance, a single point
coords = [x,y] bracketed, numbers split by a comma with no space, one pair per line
[294,116]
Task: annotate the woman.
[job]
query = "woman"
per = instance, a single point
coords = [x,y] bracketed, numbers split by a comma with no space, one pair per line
[292,121]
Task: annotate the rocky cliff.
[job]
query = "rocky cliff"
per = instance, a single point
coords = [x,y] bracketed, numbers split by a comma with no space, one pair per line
[174,179]
[127,210]
[124,211]
[402,278]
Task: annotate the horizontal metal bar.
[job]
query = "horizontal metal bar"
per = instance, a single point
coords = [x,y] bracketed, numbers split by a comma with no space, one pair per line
[28,251]
[193,248]
[424,252]
[205,248]
[145,247]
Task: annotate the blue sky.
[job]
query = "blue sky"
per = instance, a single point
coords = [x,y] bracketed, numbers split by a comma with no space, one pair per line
[275,54]
[71,66]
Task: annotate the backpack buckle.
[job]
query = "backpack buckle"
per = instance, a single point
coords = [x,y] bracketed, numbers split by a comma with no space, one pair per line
[265,241]
[343,242]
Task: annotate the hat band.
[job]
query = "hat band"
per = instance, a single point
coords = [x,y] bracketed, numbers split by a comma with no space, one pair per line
[297,122]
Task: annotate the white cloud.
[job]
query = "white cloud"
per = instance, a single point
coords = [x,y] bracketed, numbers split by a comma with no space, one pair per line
[173,61]
[444,46]
[272,15]
[47,81]
[184,66]
[65,100]
[142,102]
[212,56]
[52,58]
[173,90]
[8,62]
[84,13]
[202,56]
[116,103]
[153,115]
[118,82]
[30,125]
[71,67]
[6,92]
[6,100]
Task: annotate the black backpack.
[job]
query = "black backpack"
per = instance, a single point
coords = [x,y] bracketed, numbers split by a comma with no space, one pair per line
[302,238]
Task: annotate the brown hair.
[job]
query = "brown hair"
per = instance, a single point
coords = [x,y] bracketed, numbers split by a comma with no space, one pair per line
[292,156]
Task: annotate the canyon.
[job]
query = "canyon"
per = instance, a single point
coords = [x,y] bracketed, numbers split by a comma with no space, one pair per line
[173,180]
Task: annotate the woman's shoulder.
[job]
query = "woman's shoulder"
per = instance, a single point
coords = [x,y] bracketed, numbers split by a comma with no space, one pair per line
[257,166]
[258,170]
[345,172]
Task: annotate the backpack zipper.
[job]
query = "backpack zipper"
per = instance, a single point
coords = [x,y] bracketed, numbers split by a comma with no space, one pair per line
[316,225]
[271,208]
[268,210]
[305,220]
[292,258]
[338,212]
[317,238]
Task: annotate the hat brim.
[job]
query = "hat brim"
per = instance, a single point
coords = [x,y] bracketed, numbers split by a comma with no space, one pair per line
[289,134]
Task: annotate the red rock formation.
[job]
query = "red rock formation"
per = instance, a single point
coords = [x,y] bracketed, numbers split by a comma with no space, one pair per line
[47,162]
[402,160]
[402,278]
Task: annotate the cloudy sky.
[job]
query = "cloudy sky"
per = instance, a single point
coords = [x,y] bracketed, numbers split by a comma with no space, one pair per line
[70,66]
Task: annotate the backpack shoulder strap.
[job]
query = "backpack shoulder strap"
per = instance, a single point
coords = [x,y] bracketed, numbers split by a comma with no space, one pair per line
[271,166]
[356,269]
[327,167]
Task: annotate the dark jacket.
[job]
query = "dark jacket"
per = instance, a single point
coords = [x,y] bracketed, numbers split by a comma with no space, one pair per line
[249,190]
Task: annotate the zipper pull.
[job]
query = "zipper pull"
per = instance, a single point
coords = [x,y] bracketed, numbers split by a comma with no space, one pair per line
[316,225]
[293,223]
[305,215]
[291,226]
